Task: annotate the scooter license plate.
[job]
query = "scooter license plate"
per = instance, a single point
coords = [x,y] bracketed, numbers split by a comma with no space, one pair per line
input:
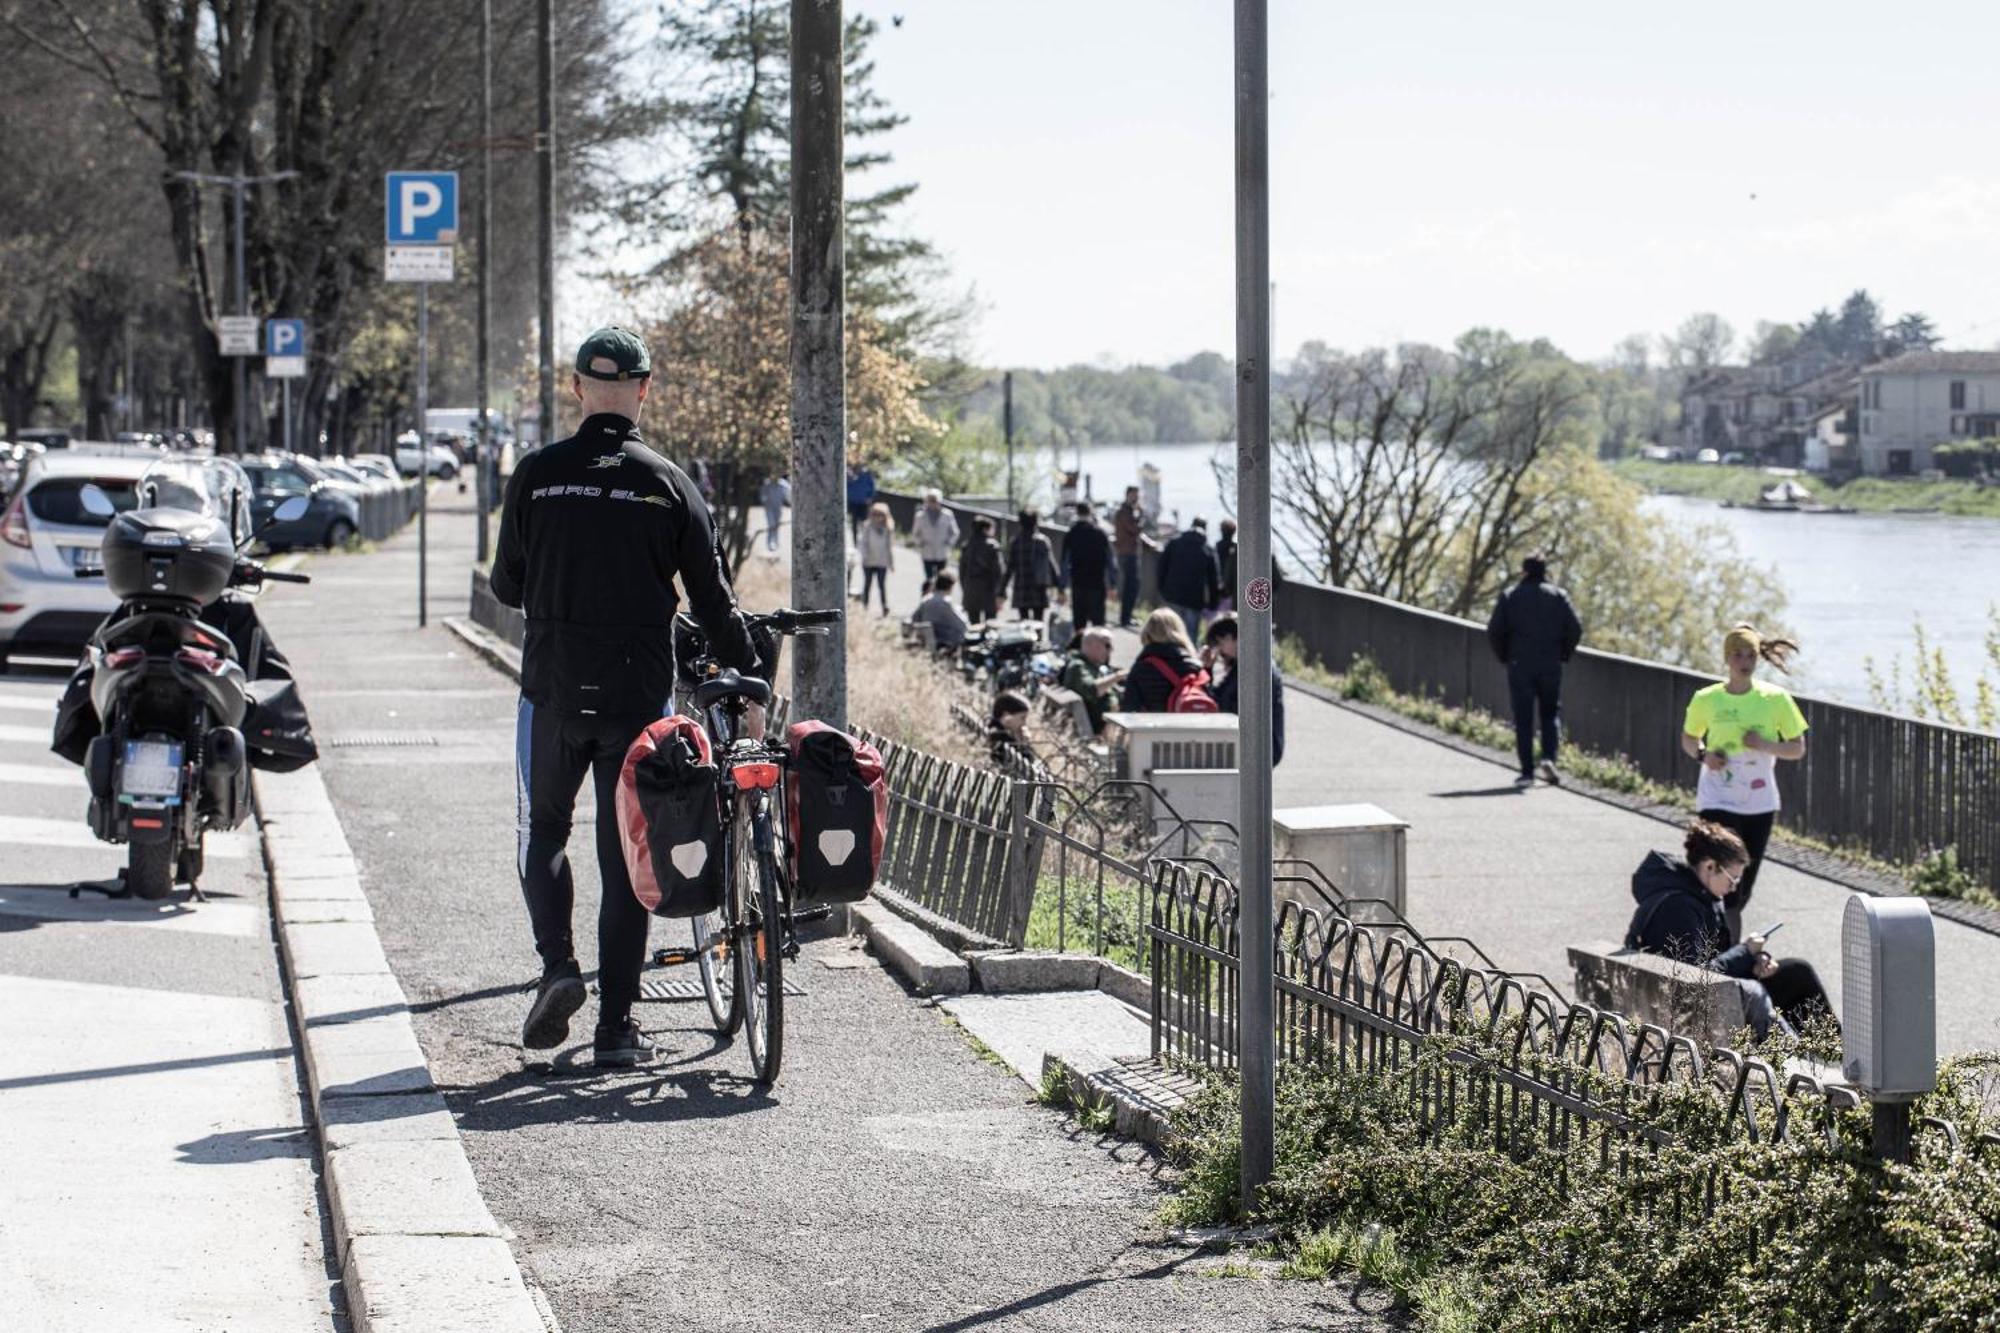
[152,769]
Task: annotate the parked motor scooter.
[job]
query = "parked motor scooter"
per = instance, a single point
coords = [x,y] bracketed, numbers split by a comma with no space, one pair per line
[169,687]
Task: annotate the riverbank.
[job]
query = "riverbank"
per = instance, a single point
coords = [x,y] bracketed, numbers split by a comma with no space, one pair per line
[1879,495]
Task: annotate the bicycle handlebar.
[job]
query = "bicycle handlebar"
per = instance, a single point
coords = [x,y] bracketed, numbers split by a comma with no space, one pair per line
[793,622]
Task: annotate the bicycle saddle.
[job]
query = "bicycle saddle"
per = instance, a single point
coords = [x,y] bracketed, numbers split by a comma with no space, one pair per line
[730,684]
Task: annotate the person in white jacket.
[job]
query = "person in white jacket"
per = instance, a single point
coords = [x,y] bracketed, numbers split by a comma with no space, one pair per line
[877,544]
[935,529]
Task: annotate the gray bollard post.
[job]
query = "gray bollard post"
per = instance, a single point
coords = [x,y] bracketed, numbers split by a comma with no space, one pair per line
[1888,1011]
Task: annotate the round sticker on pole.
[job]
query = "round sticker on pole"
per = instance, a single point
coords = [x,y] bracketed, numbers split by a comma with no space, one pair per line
[1257,596]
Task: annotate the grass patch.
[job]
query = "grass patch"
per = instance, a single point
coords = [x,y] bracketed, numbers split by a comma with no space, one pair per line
[1966,499]
[979,1048]
[1067,923]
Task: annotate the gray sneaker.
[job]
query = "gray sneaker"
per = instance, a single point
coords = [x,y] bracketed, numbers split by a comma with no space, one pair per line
[622,1046]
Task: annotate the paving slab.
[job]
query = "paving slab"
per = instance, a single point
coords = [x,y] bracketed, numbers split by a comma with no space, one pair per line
[926,965]
[341,998]
[1017,971]
[1022,1029]
[437,1284]
[366,1057]
[409,1187]
[400,1117]
[325,948]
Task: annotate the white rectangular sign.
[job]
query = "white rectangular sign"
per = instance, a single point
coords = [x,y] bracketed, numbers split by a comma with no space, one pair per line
[418,263]
[284,367]
[239,334]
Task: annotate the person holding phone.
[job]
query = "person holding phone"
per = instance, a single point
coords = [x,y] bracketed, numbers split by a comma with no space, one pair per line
[1738,730]
[1679,915]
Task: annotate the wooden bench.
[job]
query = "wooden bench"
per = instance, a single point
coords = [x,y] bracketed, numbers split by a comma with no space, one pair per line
[1647,988]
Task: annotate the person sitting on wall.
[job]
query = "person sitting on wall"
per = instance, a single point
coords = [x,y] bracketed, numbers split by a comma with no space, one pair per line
[1089,675]
[936,610]
[1007,728]
[1679,916]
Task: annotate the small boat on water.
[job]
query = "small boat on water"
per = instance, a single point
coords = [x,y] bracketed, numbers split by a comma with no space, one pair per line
[1789,497]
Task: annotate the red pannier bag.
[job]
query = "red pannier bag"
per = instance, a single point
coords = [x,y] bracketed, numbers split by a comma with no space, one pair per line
[838,813]
[670,819]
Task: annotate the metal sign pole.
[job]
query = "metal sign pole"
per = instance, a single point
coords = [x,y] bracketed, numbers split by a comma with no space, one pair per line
[241,445]
[423,453]
[285,414]
[483,494]
[1256,1035]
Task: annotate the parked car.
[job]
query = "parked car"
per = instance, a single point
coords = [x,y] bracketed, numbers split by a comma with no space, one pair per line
[1708,456]
[14,460]
[1735,458]
[440,461]
[331,518]
[46,536]
[377,464]
[48,438]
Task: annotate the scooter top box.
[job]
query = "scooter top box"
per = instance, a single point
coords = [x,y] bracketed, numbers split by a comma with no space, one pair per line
[170,554]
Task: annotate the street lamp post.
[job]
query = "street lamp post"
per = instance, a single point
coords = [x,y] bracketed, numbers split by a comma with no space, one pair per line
[482,486]
[238,184]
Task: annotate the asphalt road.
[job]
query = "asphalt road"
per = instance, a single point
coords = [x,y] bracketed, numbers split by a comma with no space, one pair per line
[159,1168]
[891,1180]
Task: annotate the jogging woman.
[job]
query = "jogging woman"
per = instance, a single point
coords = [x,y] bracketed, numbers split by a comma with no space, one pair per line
[1738,730]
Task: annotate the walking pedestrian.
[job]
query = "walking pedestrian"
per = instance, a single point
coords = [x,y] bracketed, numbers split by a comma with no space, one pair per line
[860,496]
[1128,526]
[877,544]
[1087,567]
[1225,562]
[776,494]
[593,532]
[1737,730]
[1680,914]
[1031,568]
[979,571]
[1189,575]
[1534,630]
[935,530]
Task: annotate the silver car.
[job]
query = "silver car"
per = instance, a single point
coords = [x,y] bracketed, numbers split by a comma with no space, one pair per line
[46,536]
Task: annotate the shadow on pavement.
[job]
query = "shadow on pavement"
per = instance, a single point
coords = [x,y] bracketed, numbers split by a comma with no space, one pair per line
[1509,790]
[154,1067]
[571,1092]
[1060,1292]
[245,1145]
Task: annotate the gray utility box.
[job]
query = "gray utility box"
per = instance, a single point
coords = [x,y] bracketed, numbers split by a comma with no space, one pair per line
[1190,758]
[1363,849]
[1888,996]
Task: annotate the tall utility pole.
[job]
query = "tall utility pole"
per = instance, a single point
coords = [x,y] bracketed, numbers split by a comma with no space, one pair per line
[819,390]
[545,206]
[240,429]
[1257,1038]
[482,494]
[1007,429]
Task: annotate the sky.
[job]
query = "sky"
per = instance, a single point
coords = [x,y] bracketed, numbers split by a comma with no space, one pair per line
[1561,169]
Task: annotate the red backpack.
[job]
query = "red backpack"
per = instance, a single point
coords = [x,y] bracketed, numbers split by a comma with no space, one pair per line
[1190,692]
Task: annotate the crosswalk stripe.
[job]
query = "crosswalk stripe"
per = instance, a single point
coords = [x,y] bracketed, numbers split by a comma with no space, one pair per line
[41,775]
[21,830]
[28,702]
[25,735]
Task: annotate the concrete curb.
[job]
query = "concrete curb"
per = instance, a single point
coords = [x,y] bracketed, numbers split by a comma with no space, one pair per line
[487,644]
[417,1248]
[1143,1096]
[928,966]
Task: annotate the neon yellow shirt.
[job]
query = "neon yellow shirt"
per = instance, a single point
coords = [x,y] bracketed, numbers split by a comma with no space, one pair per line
[1748,782]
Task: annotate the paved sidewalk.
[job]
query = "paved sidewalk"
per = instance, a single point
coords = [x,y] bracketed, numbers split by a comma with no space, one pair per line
[892,1179]
[159,1170]
[1525,874]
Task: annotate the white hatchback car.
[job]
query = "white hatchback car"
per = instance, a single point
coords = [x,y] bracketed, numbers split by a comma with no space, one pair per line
[46,536]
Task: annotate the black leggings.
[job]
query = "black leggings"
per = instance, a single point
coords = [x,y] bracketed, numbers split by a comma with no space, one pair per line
[1755,830]
[1796,991]
[552,752]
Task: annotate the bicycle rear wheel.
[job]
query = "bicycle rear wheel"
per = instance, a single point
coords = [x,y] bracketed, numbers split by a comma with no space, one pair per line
[759,953]
[711,955]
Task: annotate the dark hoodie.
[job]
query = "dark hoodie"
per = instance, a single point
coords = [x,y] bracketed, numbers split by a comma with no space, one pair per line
[1678,918]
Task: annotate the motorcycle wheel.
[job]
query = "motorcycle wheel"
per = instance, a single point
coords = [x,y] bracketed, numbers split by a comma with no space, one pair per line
[149,869]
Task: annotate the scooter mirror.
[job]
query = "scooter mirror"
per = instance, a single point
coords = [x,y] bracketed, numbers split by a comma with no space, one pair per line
[95,501]
[290,509]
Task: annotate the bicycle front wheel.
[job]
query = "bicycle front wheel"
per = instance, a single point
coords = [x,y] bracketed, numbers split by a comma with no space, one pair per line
[711,956]
[759,952]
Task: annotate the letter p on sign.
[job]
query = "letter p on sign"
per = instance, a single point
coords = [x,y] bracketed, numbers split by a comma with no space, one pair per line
[422,207]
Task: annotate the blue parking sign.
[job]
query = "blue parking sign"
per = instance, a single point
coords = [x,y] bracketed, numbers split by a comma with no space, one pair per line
[422,207]
[284,337]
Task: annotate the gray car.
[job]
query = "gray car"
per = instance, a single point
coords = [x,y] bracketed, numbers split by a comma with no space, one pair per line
[333,514]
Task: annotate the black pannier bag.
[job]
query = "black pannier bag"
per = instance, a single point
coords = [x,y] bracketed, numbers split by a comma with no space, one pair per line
[838,814]
[670,819]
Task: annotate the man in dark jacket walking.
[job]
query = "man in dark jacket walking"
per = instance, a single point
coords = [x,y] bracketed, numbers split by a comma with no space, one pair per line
[594,531]
[1189,575]
[1534,630]
[1087,567]
[1128,524]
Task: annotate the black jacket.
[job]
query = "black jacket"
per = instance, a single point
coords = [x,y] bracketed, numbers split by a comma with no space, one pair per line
[1225,694]
[594,530]
[1534,626]
[1087,554]
[1147,689]
[1031,566]
[1188,572]
[1225,565]
[979,571]
[1677,918]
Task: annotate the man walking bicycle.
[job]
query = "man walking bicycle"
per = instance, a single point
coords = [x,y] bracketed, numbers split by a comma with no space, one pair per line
[1534,630]
[594,530]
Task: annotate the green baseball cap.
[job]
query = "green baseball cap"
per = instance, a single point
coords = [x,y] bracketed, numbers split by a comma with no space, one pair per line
[621,347]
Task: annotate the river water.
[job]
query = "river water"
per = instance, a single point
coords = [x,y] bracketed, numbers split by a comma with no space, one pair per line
[1856,584]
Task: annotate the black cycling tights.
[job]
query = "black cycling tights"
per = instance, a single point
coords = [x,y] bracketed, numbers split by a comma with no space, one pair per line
[552,752]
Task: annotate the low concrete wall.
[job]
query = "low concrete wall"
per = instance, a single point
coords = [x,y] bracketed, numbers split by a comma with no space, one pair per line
[1647,988]
[487,613]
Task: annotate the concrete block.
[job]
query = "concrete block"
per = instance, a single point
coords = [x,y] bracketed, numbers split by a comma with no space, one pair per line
[1646,988]
[1022,1029]
[365,1057]
[437,1284]
[319,865]
[1124,984]
[318,911]
[416,1187]
[340,998]
[307,835]
[928,967]
[1006,971]
[346,1122]
[288,888]
[333,947]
